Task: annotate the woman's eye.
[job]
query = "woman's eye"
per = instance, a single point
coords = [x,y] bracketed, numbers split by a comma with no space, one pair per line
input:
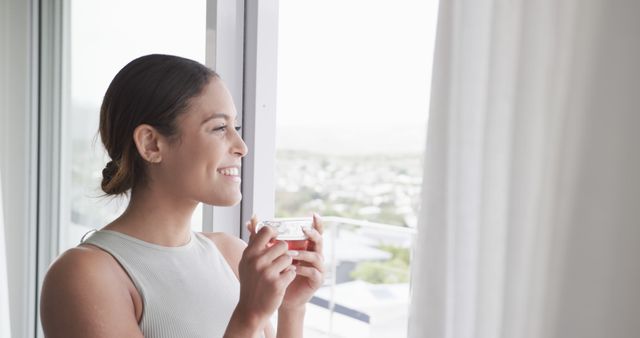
[224,128]
[220,129]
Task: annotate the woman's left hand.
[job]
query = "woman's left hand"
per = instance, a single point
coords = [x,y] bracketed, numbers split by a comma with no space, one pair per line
[309,270]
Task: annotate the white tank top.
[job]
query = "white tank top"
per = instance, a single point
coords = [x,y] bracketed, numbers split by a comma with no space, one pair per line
[187,291]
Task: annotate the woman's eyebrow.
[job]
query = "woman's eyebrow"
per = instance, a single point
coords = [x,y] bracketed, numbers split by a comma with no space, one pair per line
[215,116]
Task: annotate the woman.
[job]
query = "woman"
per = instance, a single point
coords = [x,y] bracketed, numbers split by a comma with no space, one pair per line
[169,126]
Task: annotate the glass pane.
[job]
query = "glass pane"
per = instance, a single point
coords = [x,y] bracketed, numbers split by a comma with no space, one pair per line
[353,97]
[102,37]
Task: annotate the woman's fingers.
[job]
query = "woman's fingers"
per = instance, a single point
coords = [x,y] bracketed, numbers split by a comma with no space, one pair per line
[251,230]
[313,258]
[289,274]
[259,241]
[317,223]
[316,240]
[251,226]
[278,249]
[281,263]
[312,273]
[253,222]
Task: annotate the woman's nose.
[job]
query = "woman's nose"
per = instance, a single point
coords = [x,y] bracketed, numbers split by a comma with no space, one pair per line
[239,147]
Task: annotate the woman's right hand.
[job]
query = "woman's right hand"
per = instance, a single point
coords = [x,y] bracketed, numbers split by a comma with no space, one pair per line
[265,271]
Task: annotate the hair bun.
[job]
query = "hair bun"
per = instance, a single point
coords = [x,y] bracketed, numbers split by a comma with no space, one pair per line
[109,171]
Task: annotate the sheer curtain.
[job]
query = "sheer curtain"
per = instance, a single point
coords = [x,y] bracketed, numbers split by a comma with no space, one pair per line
[530,222]
[5,328]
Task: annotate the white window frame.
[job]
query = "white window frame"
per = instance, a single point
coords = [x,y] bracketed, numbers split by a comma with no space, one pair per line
[242,47]
[259,119]
[224,54]
[49,44]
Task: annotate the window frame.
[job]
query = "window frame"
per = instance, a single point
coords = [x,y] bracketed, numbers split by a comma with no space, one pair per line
[242,47]
[259,113]
[224,54]
[48,45]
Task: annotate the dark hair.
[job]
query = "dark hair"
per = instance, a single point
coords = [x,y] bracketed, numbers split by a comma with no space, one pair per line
[153,89]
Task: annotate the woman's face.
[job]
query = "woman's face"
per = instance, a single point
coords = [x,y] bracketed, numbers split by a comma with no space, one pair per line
[204,163]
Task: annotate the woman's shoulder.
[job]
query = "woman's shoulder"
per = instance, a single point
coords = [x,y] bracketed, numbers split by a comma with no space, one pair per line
[226,241]
[82,259]
[81,280]
[86,267]
[230,246]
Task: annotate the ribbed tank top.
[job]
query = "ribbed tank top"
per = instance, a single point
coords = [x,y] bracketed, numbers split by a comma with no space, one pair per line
[187,291]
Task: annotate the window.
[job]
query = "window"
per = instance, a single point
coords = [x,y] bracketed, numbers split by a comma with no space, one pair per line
[103,37]
[352,104]
[352,96]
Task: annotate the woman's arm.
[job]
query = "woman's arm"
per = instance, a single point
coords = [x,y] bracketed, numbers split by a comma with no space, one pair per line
[290,322]
[308,279]
[232,248]
[83,295]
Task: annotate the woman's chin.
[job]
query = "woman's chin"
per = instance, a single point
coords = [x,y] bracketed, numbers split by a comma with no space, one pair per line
[226,201]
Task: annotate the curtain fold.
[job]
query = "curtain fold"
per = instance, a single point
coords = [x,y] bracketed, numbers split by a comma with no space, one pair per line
[5,328]
[517,100]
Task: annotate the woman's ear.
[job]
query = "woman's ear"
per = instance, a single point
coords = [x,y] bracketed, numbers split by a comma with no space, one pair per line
[149,142]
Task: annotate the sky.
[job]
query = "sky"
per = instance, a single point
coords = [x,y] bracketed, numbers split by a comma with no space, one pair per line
[353,75]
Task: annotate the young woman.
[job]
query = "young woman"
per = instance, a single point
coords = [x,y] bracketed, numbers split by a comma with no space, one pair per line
[169,126]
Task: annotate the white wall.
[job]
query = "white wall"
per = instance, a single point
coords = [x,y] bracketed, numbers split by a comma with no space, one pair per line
[599,291]
[14,158]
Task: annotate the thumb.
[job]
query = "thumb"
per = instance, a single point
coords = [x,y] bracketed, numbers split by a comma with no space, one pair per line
[289,274]
[251,230]
[254,222]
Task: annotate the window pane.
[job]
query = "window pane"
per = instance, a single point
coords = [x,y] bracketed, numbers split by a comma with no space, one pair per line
[102,37]
[353,96]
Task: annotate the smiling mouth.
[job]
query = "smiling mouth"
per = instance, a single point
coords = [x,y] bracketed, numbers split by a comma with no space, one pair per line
[233,171]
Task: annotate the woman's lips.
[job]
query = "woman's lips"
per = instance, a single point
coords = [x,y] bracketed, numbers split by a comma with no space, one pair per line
[231,172]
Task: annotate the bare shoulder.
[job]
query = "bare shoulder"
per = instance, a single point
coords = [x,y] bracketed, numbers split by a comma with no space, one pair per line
[78,269]
[230,246]
[226,242]
[83,295]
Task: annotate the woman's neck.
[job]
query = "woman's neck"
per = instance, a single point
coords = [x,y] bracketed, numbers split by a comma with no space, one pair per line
[156,217]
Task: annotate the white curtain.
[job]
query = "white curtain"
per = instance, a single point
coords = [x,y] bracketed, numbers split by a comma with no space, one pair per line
[530,221]
[5,328]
